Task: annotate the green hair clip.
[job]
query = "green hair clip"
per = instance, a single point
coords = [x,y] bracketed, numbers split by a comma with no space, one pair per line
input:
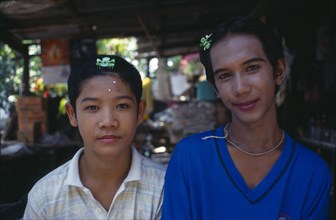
[205,42]
[105,62]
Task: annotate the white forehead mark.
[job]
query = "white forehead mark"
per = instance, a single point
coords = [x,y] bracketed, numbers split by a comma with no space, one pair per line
[114,82]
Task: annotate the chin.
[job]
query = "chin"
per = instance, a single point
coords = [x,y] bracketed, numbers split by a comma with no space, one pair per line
[247,118]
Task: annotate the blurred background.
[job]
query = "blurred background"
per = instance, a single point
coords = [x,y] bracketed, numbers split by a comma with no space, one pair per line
[42,40]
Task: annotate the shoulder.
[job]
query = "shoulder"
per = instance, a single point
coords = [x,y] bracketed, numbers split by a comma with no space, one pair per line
[311,162]
[51,181]
[197,137]
[46,191]
[309,157]
[152,171]
[59,175]
[312,174]
[194,149]
[195,140]
[196,144]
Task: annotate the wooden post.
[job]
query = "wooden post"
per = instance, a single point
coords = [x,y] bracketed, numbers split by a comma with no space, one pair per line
[25,76]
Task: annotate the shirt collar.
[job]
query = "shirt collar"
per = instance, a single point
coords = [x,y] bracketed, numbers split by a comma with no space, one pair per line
[134,173]
[73,178]
[73,172]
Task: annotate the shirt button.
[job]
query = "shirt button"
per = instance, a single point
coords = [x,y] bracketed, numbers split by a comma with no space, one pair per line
[98,210]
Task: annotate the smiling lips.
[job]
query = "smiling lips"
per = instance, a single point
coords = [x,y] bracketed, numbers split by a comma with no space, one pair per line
[247,106]
[109,139]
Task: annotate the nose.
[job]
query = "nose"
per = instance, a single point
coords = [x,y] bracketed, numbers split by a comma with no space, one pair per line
[108,120]
[240,85]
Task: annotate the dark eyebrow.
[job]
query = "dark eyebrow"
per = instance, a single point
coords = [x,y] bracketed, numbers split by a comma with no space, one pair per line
[92,99]
[219,70]
[256,59]
[126,97]
[86,99]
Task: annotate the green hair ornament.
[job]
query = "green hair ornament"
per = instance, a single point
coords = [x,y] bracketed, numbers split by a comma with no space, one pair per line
[205,42]
[105,62]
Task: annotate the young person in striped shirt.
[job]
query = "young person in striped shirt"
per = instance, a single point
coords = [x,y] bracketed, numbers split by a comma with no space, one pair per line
[107,178]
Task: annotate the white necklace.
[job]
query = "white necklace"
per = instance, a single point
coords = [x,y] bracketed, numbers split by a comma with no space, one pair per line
[226,136]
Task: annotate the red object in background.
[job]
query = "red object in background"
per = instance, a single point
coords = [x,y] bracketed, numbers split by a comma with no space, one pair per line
[55,52]
[45,94]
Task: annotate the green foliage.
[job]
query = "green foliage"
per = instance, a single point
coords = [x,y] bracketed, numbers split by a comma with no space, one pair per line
[11,70]
[35,73]
[173,63]
[191,66]
[11,67]
[124,47]
[34,66]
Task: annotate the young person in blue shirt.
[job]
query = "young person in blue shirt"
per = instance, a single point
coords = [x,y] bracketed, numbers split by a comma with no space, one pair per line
[248,168]
[107,178]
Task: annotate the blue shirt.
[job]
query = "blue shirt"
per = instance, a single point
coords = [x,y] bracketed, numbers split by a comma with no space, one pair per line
[202,182]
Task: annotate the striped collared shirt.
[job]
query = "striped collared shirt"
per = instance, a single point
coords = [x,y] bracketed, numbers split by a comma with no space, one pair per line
[62,195]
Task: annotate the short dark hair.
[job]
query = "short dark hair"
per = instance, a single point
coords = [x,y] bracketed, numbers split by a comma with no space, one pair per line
[271,44]
[103,65]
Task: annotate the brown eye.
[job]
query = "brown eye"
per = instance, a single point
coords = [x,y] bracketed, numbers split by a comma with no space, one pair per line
[224,76]
[252,68]
[91,108]
[123,106]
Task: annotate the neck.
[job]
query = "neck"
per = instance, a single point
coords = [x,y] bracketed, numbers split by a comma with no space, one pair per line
[255,138]
[102,170]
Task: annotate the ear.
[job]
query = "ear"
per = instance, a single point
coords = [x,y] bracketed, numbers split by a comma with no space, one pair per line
[280,73]
[141,111]
[71,114]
